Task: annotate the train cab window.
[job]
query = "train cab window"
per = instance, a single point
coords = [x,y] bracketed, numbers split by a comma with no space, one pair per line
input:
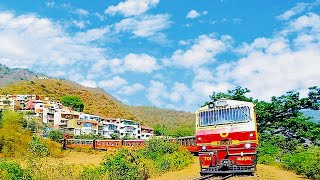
[224,116]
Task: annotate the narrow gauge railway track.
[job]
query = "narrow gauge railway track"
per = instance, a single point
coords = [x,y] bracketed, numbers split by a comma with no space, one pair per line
[212,177]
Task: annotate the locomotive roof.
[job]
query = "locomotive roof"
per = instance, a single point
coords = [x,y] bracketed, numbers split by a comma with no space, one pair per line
[229,103]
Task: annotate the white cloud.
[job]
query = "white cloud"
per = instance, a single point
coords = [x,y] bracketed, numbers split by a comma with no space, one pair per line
[203,51]
[50,4]
[131,7]
[114,83]
[129,90]
[81,12]
[88,83]
[144,26]
[80,24]
[287,61]
[192,14]
[140,63]
[299,8]
[44,45]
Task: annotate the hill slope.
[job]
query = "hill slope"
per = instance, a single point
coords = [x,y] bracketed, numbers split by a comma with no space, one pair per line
[96,101]
[8,75]
[171,119]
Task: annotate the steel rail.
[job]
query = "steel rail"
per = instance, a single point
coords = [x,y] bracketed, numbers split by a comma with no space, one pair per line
[212,177]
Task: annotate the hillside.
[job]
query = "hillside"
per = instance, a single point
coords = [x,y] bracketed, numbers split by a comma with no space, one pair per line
[171,119]
[8,75]
[96,101]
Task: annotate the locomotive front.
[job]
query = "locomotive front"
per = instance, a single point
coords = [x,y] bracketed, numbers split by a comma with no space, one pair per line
[226,130]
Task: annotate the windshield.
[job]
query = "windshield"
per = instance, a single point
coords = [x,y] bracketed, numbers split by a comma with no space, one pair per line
[224,116]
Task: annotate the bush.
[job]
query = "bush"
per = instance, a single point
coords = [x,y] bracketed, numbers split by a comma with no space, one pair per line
[37,147]
[304,162]
[268,153]
[14,140]
[158,156]
[12,171]
[93,173]
[55,135]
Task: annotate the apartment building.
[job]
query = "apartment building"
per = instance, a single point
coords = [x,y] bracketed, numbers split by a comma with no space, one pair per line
[146,132]
[9,102]
[78,127]
[123,127]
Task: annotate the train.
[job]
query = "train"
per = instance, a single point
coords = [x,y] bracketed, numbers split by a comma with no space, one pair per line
[189,143]
[227,138]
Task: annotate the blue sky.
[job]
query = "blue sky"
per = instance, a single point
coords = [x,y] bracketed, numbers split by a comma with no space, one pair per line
[170,54]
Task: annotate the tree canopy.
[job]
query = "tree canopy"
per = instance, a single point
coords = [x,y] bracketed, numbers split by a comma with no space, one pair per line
[73,101]
[282,115]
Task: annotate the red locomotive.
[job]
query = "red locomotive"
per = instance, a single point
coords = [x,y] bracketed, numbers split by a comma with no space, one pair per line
[226,131]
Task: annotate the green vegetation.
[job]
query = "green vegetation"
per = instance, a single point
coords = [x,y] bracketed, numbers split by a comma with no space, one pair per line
[156,158]
[286,136]
[55,135]
[16,140]
[73,101]
[12,171]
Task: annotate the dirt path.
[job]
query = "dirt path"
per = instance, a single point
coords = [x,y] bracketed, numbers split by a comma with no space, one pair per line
[264,172]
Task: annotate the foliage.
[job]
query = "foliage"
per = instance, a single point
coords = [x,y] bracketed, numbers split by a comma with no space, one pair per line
[73,101]
[160,130]
[115,136]
[89,136]
[12,171]
[93,173]
[55,135]
[34,124]
[304,161]
[124,165]
[158,156]
[14,139]
[37,148]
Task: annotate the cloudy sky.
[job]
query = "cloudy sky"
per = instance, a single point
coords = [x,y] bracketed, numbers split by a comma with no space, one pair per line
[170,54]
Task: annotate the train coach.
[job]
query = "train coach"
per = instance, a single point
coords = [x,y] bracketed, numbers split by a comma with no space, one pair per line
[188,143]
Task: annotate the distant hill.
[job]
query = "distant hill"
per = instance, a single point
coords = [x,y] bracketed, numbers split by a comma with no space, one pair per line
[315,115]
[171,119]
[8,75]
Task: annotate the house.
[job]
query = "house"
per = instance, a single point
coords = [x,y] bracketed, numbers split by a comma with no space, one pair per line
[146,132]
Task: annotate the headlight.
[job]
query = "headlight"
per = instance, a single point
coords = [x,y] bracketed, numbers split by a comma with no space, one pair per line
[203,148]
[247,146]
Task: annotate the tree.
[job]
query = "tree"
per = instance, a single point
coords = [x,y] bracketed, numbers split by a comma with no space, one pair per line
[115,136]
[73,101]
[55,135]
[282,115]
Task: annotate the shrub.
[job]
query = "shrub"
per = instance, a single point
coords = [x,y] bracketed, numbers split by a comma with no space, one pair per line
[14,140]
[37,147]
[304,162]
[93,173]
[123,165]
[158,156]
[55,135]
[12,171]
